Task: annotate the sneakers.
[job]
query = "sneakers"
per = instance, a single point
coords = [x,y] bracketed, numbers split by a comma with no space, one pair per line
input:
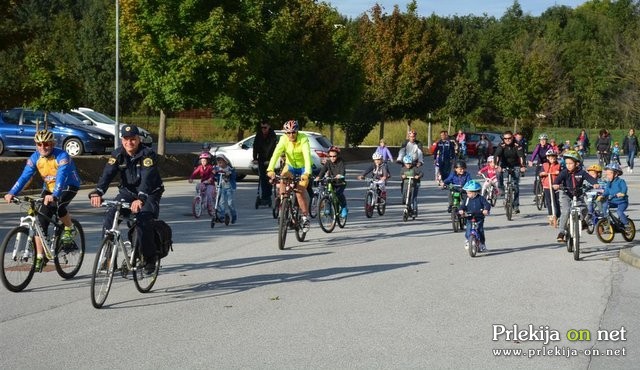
[466,245]
[150,266]
[67,235]
[344,212]
[516,210]
[234,218]
[449,209]
[39,263]
[560,237]
[627,228]
[483,247]
[306,225]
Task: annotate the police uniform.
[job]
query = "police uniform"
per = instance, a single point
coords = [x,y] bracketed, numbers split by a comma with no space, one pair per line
[139,180]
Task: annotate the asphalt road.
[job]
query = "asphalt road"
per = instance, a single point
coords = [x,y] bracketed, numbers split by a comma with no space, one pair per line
[380,293]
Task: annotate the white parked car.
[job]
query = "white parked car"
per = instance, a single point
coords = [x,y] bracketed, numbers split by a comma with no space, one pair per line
[105,123]
[241,153]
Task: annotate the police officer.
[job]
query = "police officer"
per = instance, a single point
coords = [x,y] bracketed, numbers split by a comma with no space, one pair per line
[140,185]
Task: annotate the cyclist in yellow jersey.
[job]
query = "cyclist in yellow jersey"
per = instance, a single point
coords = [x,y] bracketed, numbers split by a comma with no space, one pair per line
[296,148]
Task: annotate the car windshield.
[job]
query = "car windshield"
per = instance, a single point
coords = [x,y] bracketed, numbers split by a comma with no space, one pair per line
[98,117]
[66,118]
[324,141]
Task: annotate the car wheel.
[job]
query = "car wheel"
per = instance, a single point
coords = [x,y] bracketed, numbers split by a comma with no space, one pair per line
[1,147]
[74,147]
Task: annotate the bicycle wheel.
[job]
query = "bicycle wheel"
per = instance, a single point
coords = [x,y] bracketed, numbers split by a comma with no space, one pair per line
[454,219]
[276,208]
[18,259]
[382,205]
[326,215]
[103,270]
[300,234]
[313,205]
[631,234]
[196,206]
[575,240]
[283,224]
[368,204]
[143,281]
[405,215]
[474,244]
[604,231]
[539,195]
[342,221]
[508,206]
[68,257]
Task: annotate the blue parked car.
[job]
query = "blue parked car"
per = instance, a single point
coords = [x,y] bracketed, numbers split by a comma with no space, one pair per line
[18,127]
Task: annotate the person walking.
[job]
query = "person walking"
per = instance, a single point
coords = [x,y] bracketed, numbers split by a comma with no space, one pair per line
[630,147]
[263,147]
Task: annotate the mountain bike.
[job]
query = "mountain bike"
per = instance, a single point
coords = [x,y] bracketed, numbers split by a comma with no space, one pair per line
[509,192]
[573,229]
[538,192]
[18,256]
[457,221]
[104,266]
[289,216]
[375,198]
[318,193]
[610,224]
[329,207]
[201,201]
[410,202]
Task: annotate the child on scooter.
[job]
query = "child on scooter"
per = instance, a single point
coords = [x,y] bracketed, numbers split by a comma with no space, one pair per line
[409,170]
[551,168]
[478,207]
[204,171]
[227,178]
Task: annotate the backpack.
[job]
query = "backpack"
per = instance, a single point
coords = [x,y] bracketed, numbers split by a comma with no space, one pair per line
[162,236]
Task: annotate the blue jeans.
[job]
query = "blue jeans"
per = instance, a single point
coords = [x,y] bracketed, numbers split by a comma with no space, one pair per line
[631,155]
[226,202]
[620,208]
[480,229]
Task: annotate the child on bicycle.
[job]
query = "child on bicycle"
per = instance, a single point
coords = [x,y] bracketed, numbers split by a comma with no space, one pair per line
[459,177]
[548,173]
[227,178]
[615,153]
[478,207]
[571,179]
[593,205]
[490,172]
[410,170]
[615,193]
[204,171]
[380,172]
[335,170]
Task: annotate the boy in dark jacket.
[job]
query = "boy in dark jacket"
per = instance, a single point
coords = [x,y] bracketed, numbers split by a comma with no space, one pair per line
[334,169]
[478,208]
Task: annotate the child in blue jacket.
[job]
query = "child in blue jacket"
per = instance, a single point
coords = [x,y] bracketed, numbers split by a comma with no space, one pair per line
[459,177]
[615,193]
[478,207]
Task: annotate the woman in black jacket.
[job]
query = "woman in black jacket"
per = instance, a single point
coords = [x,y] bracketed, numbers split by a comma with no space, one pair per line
[630,147]
[603,145]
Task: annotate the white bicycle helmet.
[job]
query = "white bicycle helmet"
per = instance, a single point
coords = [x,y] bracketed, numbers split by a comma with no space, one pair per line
[376,155]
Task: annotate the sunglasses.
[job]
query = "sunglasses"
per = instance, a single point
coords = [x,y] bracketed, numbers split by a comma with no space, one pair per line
[290,133]
[508,138]
[333,156]
[44,144]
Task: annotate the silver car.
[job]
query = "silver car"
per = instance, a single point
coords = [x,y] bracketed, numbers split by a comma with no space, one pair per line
[241,153]
[92,118]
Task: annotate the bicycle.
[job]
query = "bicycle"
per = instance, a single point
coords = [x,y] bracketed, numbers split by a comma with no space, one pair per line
[474,236]
[104,266]
[329,207]
[490,192]
[573,229]
[318,192]
[289,216]
[456,195]
[610,224]
[509,193]
[19,250]
[197,205]
[595,213]
[538,192]
[375,198]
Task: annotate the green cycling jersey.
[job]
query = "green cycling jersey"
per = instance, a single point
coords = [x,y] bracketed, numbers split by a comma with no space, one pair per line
[298,153]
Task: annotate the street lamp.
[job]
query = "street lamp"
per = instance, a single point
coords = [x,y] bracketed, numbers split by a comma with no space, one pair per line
[116,134]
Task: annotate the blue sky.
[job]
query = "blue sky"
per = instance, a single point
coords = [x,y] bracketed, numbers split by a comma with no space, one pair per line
[445,8]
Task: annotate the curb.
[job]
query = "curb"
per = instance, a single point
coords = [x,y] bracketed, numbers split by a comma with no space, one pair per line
[631,256]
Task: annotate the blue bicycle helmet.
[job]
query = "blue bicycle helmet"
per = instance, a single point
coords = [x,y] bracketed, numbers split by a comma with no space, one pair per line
[472,185]
[407,159]
[614,167]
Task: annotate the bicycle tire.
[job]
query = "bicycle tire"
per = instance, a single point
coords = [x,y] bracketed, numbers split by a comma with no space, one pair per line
[454,219]
[313,206]
[591,226]
[508,206]
[17,272]
[368,204]
[196,206]
[210,208]
[382,206]
[68,258]
[300,234]
[539,195]
[276,208]
[326,215]
[575,240]
[104,267]
[604,231]
[283,224]
[473,245]
[629,236]
[341,221]
[143,281]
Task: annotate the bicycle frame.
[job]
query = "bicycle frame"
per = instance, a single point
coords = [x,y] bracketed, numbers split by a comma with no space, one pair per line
[35,229]
[115,233]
